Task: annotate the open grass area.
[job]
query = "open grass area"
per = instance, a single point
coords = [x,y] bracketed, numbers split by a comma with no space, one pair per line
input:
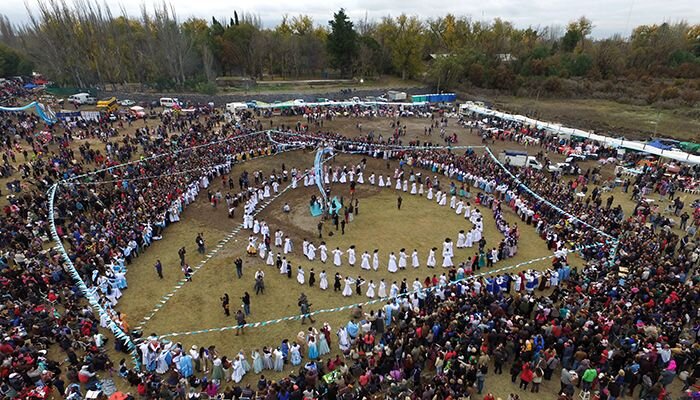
[609,117]
[420,224]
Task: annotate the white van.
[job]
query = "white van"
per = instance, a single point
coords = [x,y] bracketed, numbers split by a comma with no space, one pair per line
[235,107]
[79,98]
[169,102]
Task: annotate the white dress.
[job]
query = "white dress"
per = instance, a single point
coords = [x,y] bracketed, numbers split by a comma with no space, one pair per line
[405,185]
[270,259]
[311,252]
[392,263]
[347,290]
[323,282]
[447,255]
[398,184]
[431,259]
[238,371]
[351,257]
[370,290]
[336,257]
[284,267]
[381,181]
[324,252]
[300,276]
[365,261]
[429,196]
[402,260]
[469,241]
[443,201]
[375,261]
[287,245]
[414,259]
[414,189]
[382,289]
[460,207]
[461,240]
[453,202]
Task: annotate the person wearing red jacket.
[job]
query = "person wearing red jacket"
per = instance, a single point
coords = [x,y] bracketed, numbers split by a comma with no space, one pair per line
[525,376]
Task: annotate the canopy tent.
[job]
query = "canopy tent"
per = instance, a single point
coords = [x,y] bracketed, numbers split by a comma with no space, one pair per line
[291,104]
[612,142]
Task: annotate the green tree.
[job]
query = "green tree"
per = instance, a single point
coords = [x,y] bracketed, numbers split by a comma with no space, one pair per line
[342,43]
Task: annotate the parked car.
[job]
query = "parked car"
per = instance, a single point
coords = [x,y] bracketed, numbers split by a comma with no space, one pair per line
[126,103]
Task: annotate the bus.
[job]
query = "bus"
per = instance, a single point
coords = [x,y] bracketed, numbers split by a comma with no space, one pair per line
[108,105]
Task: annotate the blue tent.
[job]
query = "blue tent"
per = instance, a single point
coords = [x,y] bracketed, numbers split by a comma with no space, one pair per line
[30,86]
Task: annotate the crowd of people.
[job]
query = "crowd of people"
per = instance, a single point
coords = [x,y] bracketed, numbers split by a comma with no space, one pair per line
[626,322]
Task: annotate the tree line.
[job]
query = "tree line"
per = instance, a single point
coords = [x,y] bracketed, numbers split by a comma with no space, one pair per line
[85,44]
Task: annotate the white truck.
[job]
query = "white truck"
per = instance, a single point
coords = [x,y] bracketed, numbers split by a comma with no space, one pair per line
[519,159]
[233,108]
[81,98]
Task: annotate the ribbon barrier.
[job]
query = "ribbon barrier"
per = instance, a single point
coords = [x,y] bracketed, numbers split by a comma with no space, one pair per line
[318,172]
[43,112]
[369,302]
[87,293]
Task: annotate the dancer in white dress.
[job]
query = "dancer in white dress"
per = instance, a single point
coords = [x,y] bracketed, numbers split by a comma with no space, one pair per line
[311,252]
[392,263]
[443,200]
[414,189]
[336,257]
[431,258]
[370,289]
[300,275]
[453,202]
[414,259]
[402,259]
[323,250]
[305,247]
[278,238]
[405,185]
[287,245]
[323,282]
[352,259]
[347,290]
[284,268]
[365,261]
[375,260]
[398,184]
[382,289]
[429,196]
[447,253]
[381,180]
[469,241]
[372,179]
[460,207]
[461,240]
[270,259]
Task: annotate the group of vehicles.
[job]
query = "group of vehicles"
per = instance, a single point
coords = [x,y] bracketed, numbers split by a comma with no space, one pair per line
[523,160]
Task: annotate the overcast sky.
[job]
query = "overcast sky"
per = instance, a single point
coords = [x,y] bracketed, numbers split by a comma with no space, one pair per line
[608,16]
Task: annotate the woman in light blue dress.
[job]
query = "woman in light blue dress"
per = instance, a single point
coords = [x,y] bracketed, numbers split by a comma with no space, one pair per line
[323,347]
[294,354]
[313,349]
[257,361]
[244,361]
